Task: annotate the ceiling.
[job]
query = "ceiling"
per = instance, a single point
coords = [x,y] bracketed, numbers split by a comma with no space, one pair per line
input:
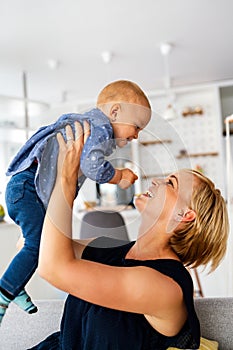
[74,33]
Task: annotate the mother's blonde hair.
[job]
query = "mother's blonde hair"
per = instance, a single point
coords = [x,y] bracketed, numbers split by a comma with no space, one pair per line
[203,240]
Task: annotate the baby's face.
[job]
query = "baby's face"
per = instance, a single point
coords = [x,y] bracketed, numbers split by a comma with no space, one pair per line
[130,120]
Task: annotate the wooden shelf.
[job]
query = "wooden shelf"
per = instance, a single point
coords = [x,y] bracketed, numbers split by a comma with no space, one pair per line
[154,142]
[194,155]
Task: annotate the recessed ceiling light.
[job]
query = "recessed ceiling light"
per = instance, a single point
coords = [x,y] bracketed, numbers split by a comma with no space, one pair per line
[107,56]
[53,64]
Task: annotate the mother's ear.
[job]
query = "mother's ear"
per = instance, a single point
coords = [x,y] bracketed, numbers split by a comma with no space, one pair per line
[189,215]
[182,217]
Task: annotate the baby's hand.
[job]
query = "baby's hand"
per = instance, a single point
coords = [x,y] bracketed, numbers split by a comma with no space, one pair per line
[127,178]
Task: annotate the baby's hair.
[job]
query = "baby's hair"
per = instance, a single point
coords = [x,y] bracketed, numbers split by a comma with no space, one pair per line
[203,240]
[123,91]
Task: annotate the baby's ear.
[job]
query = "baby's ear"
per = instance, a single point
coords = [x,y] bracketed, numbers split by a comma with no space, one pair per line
[115,108]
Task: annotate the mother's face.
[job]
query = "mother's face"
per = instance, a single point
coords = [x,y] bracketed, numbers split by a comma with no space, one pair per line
[167,199]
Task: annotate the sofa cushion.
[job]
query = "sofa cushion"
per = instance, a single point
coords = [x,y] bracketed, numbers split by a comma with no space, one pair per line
[216,319]
[205,344]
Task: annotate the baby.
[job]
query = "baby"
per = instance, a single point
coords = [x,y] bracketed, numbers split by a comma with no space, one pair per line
[121,112]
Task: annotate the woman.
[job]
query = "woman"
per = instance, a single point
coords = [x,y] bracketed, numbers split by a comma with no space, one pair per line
[135,295]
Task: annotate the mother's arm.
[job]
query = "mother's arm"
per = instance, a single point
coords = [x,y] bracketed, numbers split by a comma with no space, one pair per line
[57,228]
[135,289]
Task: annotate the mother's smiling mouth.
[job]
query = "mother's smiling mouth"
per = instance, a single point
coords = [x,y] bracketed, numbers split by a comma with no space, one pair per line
[149,194]
[146,194]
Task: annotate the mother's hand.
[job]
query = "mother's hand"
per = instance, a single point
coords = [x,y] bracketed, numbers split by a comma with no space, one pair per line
[59,211]
[70,152]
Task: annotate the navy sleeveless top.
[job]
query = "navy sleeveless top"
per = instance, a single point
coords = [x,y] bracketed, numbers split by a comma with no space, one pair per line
[87,326]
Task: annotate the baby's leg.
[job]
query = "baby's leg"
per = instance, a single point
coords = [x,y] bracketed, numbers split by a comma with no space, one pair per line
[24,301]
[4,302]
[26,209]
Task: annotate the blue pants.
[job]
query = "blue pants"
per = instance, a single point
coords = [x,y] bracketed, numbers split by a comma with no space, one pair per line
[26,210]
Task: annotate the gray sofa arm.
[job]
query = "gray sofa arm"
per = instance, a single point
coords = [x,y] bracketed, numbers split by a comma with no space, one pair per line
[216,318]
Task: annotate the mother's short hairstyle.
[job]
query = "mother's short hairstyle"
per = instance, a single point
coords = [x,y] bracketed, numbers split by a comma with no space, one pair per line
[203,240]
